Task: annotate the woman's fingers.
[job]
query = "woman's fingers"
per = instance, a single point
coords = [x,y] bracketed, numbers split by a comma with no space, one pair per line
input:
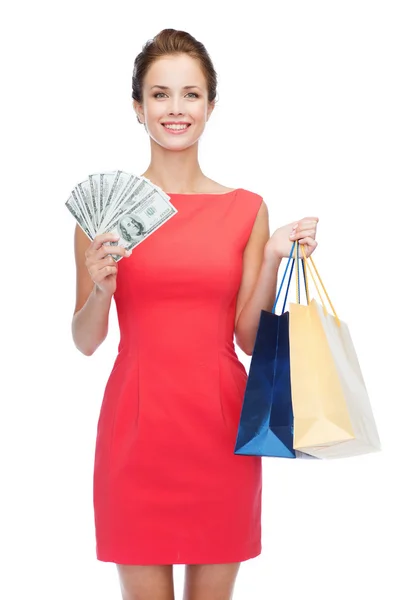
[305,222]
[105,250]
[99,247]
[98,257]
[101,239]
[309,221]
[304,228]
[309,243]
[98,274]
[104,261]
[299,234]
[110,249]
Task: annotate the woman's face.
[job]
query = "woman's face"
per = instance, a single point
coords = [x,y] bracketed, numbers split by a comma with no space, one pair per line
[175,93]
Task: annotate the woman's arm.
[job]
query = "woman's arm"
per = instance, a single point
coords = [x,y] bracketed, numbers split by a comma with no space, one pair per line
[261,261]
[90,323]
[257,291]
[91,313]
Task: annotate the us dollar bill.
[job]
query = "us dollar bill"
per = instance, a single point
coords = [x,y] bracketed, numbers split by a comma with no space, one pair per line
[77,214]
[83,199]
[135,221]
[123,194]
[128,205]
[136,189]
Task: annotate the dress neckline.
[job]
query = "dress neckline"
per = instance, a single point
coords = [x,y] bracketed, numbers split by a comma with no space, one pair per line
[206,193]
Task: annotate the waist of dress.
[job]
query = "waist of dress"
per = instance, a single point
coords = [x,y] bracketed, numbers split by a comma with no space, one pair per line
[169,335]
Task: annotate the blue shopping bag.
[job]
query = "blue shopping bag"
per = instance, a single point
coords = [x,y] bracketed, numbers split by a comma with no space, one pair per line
[266,426]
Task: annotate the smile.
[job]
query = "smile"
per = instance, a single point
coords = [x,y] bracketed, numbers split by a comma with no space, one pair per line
[176,127]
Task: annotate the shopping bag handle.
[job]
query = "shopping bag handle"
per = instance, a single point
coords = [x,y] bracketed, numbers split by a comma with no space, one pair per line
[298,293]
[307,264]
[292,262]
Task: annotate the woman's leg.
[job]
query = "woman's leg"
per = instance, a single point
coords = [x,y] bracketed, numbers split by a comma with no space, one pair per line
[210,582]
[148,582]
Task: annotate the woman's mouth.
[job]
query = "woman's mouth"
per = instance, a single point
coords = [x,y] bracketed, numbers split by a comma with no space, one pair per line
[176,128]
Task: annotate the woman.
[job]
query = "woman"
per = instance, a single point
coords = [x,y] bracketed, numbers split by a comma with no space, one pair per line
[168,488]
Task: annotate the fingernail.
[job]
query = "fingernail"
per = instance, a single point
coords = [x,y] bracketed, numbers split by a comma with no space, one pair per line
[128,252]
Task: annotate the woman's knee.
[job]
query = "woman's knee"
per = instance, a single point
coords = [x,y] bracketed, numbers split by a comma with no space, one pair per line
[210,582]
[146,582]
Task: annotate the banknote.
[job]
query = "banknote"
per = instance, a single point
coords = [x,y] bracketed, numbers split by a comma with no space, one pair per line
[76,211]
[122,203]
[137,218]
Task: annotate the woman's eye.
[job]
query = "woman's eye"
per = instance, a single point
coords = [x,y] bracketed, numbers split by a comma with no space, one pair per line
[161,94]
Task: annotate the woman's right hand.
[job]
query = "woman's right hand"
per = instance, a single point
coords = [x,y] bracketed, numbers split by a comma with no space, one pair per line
[101,267]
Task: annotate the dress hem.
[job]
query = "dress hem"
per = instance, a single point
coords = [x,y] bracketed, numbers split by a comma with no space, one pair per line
[170,560]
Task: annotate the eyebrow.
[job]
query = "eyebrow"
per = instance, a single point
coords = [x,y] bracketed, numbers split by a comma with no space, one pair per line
[165,87]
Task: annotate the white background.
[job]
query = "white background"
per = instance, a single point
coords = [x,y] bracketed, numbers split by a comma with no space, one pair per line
[309,116]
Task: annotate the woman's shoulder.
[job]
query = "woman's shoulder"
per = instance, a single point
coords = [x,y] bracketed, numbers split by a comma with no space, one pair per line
[214,187]
[252,199]
[251,194]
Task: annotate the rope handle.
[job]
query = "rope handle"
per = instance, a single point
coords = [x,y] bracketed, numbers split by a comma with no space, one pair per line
[307,264]
[298,296]
[282,281]
[291,260]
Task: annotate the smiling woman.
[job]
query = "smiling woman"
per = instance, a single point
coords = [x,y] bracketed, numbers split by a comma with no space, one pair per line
[168,487]
[174,100]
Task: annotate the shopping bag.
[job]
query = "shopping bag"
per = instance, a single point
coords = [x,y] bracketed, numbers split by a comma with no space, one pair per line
[266,421]
[333,417]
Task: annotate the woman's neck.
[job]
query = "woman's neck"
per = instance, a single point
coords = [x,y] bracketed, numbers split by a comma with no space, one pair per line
[175,172]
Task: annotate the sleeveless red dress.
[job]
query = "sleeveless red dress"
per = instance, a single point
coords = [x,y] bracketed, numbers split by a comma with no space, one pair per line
[168,488]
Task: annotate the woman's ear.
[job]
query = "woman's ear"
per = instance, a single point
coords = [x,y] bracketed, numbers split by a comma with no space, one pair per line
[139,111]
[210,109]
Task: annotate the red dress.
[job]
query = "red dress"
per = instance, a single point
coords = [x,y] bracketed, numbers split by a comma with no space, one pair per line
[168,488]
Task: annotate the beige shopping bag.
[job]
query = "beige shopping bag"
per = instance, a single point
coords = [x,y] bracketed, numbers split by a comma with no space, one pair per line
[332,413]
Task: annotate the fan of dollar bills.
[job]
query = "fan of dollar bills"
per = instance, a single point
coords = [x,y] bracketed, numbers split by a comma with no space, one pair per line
[121,203]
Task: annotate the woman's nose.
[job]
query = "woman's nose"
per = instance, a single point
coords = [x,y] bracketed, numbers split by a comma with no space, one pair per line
[176,106]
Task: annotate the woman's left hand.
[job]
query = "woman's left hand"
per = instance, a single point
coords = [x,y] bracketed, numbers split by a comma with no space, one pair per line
[303,231]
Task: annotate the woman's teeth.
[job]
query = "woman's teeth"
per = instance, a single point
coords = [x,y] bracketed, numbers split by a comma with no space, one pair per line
[176,126]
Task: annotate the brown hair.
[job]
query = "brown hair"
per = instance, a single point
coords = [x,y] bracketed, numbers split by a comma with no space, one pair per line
[168,42]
